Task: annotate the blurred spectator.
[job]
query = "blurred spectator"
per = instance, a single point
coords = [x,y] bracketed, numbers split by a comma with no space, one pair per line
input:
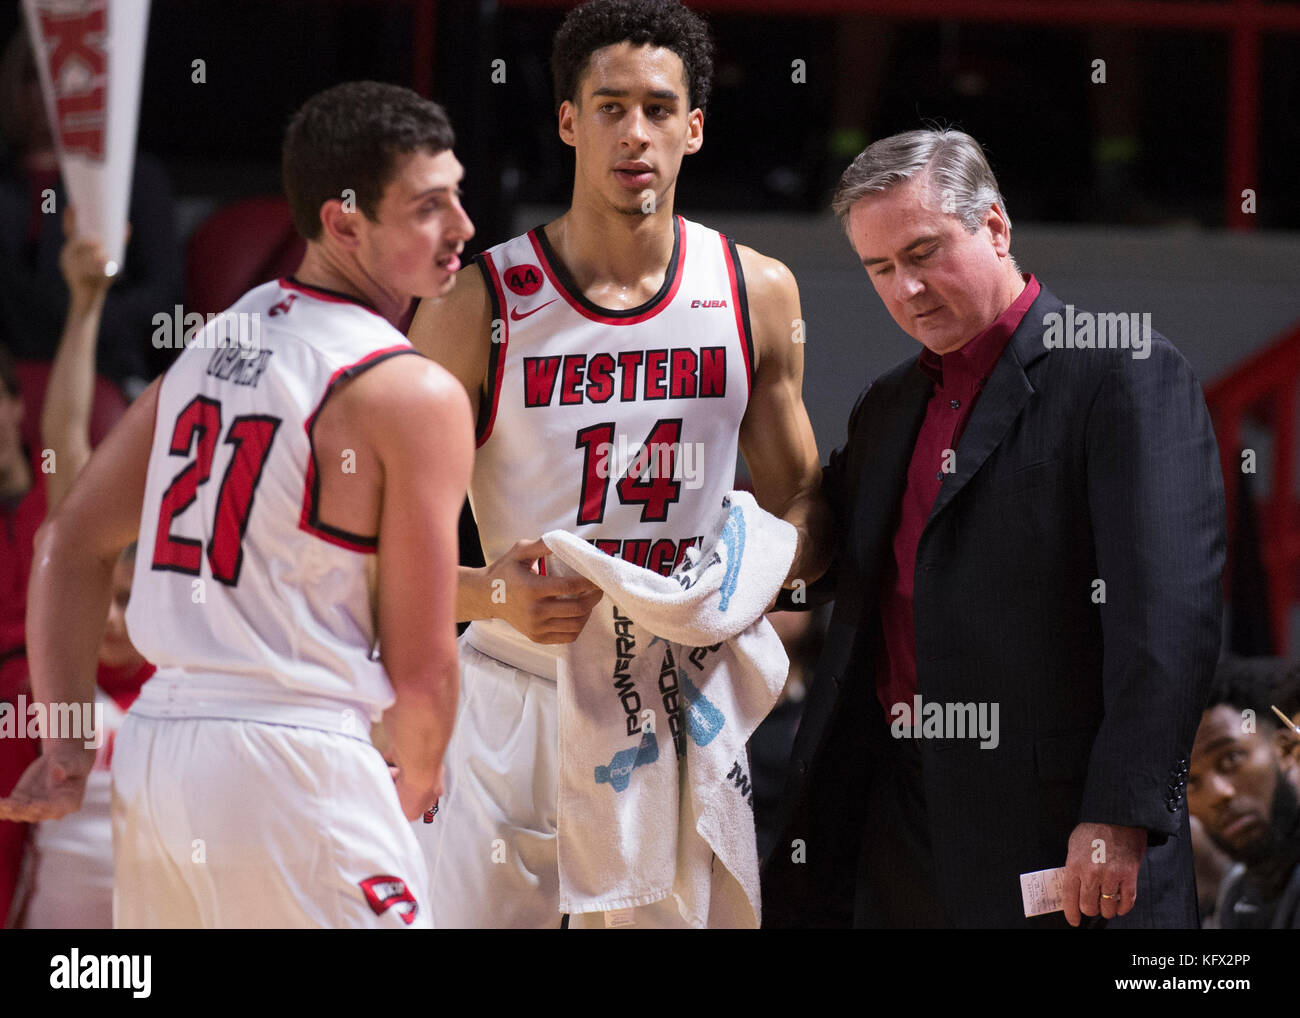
[1286,698]
[1114,107]
[1212,865]
[33,296]
[22,505]
[1240,787]
[70,389]
[32,481]
[68,870]
[863,47]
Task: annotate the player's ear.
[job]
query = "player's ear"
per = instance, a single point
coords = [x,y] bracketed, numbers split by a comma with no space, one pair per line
[694,131]
[341,223]
[565,118]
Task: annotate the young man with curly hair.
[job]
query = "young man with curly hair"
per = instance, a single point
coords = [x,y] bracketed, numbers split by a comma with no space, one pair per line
[619,325]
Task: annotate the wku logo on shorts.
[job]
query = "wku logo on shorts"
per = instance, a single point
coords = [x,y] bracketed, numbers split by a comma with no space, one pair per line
[384,892]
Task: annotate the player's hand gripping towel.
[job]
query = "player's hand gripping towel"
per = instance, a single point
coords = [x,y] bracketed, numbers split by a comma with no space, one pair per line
[657,698]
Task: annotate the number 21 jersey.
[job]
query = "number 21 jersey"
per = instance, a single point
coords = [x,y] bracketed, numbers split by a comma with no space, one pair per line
[240,590]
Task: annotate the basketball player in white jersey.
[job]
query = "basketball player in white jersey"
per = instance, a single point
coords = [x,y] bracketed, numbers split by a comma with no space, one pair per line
[619,325]
[296,505]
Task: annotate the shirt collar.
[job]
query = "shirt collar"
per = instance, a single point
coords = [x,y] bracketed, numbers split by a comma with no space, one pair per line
[978,357]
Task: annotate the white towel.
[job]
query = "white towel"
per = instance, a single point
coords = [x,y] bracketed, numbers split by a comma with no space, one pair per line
[657,698]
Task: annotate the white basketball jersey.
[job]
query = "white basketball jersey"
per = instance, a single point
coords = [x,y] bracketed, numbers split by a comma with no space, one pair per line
[241,593]
[618,426]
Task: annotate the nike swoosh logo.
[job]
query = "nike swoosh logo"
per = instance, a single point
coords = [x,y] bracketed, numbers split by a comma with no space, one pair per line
[515,316]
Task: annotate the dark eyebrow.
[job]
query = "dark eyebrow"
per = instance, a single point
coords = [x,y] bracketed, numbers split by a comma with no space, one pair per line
[622,93]
[868,262]
[1218,744]
[429,192]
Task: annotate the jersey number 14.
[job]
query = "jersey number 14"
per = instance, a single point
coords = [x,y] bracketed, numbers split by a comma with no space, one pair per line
[648,481]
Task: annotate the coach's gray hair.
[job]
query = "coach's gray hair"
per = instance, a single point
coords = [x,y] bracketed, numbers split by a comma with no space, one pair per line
[959,174]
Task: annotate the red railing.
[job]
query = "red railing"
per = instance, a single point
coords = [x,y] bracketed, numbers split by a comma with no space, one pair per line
[1263,390]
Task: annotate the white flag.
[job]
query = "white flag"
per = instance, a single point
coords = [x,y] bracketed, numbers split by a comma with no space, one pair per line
[90,56]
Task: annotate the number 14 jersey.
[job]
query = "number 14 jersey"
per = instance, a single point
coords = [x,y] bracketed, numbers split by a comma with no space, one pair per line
[618,426]
[241,592]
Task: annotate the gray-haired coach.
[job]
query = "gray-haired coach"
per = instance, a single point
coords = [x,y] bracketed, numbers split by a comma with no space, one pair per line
[1029,543]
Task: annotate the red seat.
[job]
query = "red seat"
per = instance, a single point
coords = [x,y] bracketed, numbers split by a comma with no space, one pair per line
[238,247]
[109,403]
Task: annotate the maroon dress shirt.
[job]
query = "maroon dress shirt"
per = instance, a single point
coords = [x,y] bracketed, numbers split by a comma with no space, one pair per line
[958,379]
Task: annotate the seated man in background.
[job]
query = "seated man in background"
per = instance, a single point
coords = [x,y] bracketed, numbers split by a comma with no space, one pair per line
[1241,787]
[1213,865]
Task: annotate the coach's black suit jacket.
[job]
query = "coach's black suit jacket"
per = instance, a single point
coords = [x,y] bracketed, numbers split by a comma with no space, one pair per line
[1075,466]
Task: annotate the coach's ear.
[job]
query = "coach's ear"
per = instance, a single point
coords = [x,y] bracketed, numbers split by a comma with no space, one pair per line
[341,221]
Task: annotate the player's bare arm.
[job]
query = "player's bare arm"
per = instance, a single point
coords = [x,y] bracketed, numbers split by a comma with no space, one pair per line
[409,426]
[69,393]
[776,437]
[67,602]
[457,332]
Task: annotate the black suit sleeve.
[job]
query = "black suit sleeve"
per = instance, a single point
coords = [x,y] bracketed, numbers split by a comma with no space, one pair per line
[809,875]
[1155,495]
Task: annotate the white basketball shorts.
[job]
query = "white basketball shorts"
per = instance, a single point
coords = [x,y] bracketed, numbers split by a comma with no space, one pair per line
[491,846]
[223,823]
